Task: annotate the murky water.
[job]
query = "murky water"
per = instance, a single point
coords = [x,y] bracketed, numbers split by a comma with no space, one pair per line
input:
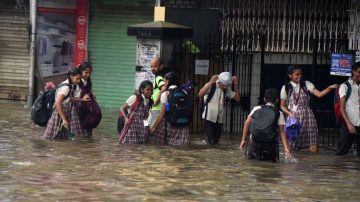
[98,169]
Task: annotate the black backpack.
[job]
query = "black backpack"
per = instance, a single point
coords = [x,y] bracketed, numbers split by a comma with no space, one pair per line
[42,108]
[179,108]
[264,124]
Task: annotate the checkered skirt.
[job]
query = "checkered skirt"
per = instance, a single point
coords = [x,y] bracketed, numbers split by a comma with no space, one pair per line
[53,125]
[306,117]
[174,136]
[134,132]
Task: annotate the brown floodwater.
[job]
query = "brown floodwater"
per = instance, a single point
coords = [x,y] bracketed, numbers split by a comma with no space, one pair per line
[98,169]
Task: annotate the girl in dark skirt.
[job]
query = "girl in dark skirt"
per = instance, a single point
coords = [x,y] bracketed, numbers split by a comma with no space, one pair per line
[163,132]
[295,96]
[84,91]
[64,114]
[136,129]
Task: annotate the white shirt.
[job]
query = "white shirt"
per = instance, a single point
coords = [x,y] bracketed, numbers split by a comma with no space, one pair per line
[132,99]
[64,90]
[216,111]
[296,86]
[281,120]
[352,104]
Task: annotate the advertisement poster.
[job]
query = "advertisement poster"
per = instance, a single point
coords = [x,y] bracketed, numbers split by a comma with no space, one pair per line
[57,34]
[341,64]
[146,50]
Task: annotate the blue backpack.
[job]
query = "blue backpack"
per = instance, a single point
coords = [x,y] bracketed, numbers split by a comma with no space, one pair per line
[292,129]
[179,108]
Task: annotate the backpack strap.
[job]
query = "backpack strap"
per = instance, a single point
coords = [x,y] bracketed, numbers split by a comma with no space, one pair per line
[349,90]
[289,89]
[136,104]
[209,97]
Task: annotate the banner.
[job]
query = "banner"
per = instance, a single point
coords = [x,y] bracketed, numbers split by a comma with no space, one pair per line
[341,64]
[81,31]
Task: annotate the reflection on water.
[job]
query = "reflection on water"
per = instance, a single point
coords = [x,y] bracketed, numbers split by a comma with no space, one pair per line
[99,169]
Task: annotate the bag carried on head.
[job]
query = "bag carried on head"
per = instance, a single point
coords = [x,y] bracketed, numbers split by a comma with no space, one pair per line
[42,108]
[179,108]
[338,115]
[121,117]
[90,114]
[264,127]
[292,129]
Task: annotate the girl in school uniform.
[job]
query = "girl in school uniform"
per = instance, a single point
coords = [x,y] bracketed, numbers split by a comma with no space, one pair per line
[163,132]
[65,114]
[84,89]
[136,129]
[295,96]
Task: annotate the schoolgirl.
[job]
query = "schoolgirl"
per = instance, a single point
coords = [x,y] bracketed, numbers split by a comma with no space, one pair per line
[295,102]
[136,129]
[65,114]
[163,132]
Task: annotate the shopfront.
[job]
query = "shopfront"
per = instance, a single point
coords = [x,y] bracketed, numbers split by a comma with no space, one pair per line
[14,57]
[111,52]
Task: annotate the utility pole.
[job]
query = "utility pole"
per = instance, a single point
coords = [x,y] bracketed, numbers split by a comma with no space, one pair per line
[32,53]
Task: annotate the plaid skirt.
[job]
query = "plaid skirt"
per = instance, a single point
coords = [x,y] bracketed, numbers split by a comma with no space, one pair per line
[134,132]
[306,117]
[174,135]
[52,129]
[309,129]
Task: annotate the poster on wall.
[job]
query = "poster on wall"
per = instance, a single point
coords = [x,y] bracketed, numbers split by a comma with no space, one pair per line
[57,34]
[202,67]
[146,50]
[341,64]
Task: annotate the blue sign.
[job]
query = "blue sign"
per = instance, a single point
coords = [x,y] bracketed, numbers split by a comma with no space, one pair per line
[341,64]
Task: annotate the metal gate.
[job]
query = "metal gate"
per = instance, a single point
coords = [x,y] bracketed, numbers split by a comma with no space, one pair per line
[235,56]
[323,108]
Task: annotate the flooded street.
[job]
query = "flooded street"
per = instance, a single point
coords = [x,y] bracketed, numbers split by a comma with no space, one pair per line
[98,169]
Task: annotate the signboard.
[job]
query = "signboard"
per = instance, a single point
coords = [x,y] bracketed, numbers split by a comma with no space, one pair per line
[341,64]
[202,67]
[357,57]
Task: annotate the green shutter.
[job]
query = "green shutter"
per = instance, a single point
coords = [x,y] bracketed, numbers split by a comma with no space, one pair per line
[111,52]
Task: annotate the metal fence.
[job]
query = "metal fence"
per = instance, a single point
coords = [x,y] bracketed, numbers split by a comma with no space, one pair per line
[234,56]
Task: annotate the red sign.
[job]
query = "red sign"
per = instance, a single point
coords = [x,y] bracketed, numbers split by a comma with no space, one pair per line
[81,31]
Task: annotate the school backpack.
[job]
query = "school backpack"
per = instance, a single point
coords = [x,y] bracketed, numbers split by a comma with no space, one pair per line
[121,116]
[338,115]
[90,114]
[292,128]
[178,108]
[264,124]
[42,108]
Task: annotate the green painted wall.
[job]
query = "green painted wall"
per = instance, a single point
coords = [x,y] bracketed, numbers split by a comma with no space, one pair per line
[111,52]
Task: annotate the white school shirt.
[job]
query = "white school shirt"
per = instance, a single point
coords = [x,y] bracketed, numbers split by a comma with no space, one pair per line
[77,91]
[64,90]
[352,104]
[281,120]
[132,99]
[296,86]
[215,107]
